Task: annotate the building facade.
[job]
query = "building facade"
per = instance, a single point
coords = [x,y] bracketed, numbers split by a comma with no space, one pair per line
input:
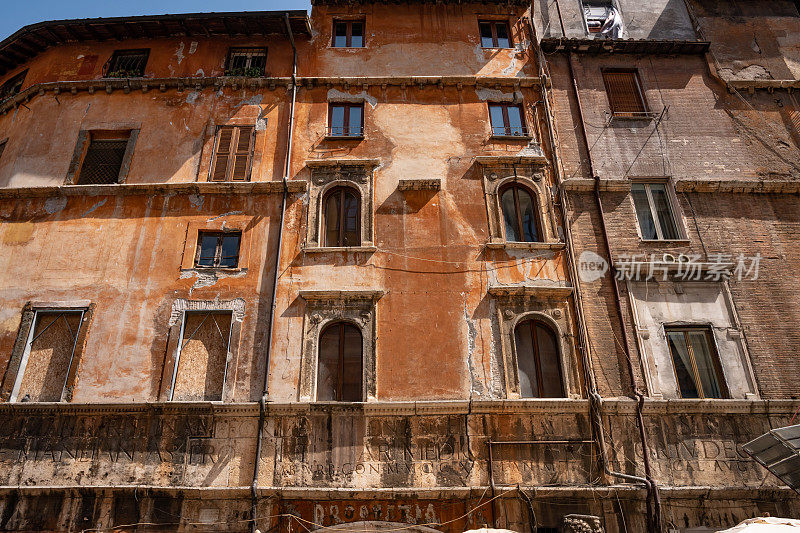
[412,266]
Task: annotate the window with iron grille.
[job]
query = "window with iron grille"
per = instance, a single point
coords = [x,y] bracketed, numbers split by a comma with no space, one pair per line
[103,160]
[251,62]
[507,119]
[654,211]
[348,34]
[233,153]
[49,356]
[127,64]
[340,365]
[345,120]
[494,34]
[625,94]
[13,85]
[218,249]
[696,363]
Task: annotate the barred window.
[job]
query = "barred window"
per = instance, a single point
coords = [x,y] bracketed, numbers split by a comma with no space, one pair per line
[250,62]
[624,92]
[127,64]
[103,160]
[233,153]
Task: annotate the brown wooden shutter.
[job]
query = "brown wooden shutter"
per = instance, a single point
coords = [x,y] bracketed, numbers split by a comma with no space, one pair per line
[222,154]
[241,159]
[624,93]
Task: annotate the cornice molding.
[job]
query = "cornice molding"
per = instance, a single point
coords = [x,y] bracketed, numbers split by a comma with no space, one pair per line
[166,189]
[754,185]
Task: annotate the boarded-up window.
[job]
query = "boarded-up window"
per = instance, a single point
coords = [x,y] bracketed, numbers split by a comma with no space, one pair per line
[103,160]
[339,371]
[233,153]
[202,356]
[625,93]
[48,356]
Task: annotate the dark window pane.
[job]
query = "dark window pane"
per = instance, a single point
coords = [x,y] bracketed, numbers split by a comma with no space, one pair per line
[340,35]
[665,219]
[332,219]
[230,251]
[238,62]
[503,40]
[526,360]
[328,365]
[549,363]
[681,359]
[643,213]
[486,35]
[528,214]
[102,162]
[510,215]
[355,121]
[352,365]
[337,120]
[357,34]
[706,364]
[351,220]
[208,249]
[515,123]
[496,118]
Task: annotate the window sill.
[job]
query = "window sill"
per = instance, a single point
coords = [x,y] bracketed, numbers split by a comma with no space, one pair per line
[644,117]
[347,47]
[526,138]
[344,137]
[498,47]
[525,245]
[215,270]
[666,241]
[324,249]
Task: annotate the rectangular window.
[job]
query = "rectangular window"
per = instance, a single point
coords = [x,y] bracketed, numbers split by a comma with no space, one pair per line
[348,34]
[507,119]
[625,94]
[654,211]
[494,34]
[127,64]
[218,249]
[598,13]
[345,120]
[201,364]
[251,62]
[13,85]
[48,356]
[103,159]
[233,153]
[696,363]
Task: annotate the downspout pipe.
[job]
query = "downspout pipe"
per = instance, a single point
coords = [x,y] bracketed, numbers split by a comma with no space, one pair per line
[654,514]
[265,389]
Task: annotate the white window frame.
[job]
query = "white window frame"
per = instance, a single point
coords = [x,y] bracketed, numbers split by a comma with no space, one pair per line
[672,202]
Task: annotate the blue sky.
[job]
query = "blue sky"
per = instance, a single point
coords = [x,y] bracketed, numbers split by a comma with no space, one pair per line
[16,14]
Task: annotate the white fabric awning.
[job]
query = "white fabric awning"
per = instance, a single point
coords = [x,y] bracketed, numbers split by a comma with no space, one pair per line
[766,524]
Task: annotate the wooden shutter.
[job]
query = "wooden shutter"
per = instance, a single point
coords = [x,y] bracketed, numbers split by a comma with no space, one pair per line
[240,165]
[233,154]
[624,93]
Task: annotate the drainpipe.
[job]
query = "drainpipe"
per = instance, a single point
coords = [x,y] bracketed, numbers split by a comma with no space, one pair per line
[265,389]
[654,514]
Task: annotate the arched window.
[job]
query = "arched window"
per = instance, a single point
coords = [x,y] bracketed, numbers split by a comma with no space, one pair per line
[519,214]
[342,216]
[538,361]
[340,363]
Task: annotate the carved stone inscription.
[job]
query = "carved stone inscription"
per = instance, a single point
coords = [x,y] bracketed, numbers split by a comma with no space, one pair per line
[137,448]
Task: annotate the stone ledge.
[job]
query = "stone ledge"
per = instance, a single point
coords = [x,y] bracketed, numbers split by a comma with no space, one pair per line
[555,246]
[551,288]
[133,189]
[338,249]
[342,294]
[692,185]
[342,162]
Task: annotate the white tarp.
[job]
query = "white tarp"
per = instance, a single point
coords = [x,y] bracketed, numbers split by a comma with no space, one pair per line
[766,525]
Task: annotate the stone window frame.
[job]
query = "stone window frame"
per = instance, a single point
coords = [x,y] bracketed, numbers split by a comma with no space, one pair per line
[20,349]
[533,178]
[550,305]
[356,307]
[327,174]
[177,320]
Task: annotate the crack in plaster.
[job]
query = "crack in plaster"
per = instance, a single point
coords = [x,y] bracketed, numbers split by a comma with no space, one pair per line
[208,278]
[229,213]
[472,334]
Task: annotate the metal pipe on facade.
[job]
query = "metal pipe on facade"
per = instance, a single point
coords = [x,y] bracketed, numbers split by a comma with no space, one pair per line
[273,309]
[654,514]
